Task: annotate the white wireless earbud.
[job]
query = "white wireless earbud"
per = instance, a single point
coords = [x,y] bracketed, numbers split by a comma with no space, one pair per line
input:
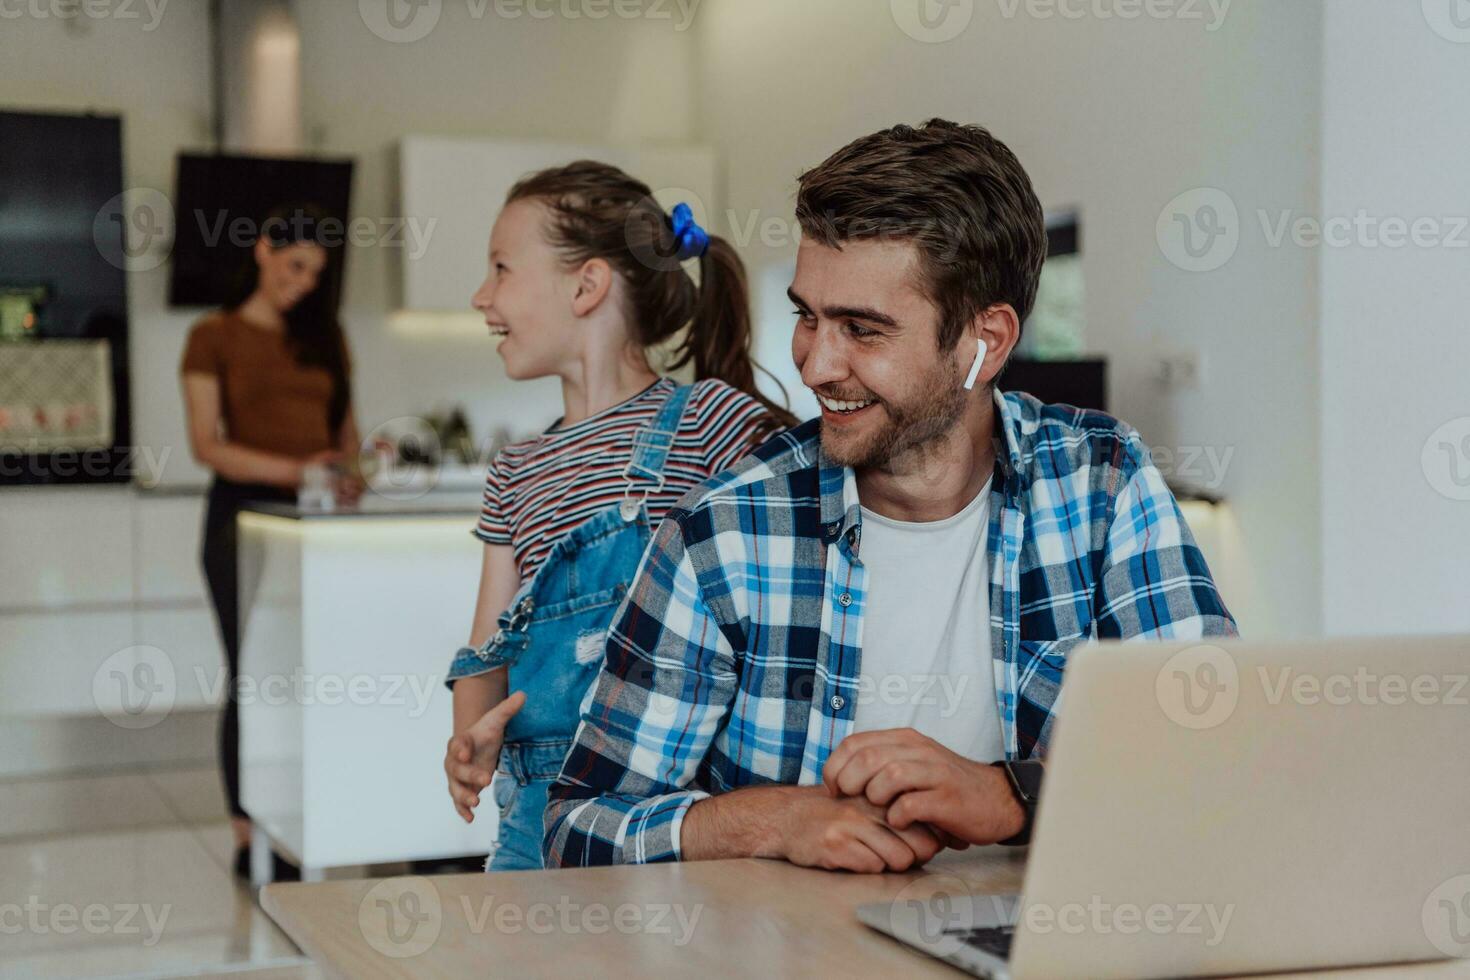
[975,368]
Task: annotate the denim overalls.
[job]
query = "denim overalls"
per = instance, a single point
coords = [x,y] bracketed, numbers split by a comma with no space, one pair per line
[552,639]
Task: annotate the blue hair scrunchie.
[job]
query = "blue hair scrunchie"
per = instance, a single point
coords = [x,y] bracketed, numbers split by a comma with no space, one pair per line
[690,240]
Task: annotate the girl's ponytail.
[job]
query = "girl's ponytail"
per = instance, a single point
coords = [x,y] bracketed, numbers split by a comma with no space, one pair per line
[719,337]
[600,211]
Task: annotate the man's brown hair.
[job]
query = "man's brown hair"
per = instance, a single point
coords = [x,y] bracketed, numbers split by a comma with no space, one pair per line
[958,193]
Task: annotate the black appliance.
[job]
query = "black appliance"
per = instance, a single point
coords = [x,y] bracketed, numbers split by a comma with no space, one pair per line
[220,203]
[64,405]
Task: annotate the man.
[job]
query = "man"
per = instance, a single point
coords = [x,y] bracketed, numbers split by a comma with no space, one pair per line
[828,646]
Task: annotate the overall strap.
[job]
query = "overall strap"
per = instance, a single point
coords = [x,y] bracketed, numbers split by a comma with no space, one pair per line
[651,443]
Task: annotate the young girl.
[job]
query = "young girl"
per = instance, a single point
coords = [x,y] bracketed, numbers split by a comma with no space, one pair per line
[585,274]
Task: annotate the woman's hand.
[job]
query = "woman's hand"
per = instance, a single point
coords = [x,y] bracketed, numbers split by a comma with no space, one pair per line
[471,756]
[327,458]
[349,489]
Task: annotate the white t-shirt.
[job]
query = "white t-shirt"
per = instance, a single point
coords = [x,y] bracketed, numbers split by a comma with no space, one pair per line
[926,658]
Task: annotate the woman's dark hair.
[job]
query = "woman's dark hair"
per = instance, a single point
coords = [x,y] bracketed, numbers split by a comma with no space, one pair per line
[313,331]
[598,211]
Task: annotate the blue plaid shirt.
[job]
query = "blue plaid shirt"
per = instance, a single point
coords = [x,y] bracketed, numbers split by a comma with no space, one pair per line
[734,659]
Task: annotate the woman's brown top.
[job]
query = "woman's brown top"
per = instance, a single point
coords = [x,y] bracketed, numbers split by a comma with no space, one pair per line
[268,400]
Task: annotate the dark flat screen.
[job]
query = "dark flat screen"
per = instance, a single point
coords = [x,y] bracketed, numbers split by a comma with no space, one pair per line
[214,192]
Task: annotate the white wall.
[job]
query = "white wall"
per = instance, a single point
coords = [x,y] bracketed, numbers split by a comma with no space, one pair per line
[558,78]
[1115,116]
[1395,331]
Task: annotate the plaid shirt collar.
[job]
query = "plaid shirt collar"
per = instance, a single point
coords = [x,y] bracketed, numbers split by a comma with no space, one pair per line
[842,510]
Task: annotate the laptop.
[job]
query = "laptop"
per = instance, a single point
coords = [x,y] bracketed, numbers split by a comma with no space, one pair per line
[1222,808]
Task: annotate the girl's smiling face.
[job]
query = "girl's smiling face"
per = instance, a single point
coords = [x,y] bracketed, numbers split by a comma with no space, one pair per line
[527,295]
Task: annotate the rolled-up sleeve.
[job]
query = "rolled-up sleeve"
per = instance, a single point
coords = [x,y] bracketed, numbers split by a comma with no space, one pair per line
[657,705]
[472,661]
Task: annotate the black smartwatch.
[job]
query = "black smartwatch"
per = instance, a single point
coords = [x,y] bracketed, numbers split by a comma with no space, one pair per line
[1025,779]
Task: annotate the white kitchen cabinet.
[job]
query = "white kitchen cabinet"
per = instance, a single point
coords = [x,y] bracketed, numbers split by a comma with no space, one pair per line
[453,188]
[166,537]
[65,546]
[188,638]
[87,576]
[49,662]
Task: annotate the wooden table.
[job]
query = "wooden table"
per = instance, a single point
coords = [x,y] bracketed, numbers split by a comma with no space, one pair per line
[704,919]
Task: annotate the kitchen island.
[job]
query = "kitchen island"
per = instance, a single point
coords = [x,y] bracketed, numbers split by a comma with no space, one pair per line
[350,618]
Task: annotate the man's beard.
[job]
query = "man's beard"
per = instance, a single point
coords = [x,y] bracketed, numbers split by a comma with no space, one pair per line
[929,411]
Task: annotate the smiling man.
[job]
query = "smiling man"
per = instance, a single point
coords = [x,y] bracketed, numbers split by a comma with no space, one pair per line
[847,650]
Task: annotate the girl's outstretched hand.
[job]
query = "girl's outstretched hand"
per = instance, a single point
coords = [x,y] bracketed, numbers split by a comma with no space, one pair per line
[471,756]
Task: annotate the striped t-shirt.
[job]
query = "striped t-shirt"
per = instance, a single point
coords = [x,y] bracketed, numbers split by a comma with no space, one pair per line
[538,490]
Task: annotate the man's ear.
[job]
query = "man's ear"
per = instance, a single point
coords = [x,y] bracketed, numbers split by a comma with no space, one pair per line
[593,283]
[999,329]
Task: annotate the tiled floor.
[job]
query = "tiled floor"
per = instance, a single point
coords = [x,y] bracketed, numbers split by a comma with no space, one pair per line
[129,875]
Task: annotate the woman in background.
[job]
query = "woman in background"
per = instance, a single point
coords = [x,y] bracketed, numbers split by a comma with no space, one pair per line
[267,392]
[585,275]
